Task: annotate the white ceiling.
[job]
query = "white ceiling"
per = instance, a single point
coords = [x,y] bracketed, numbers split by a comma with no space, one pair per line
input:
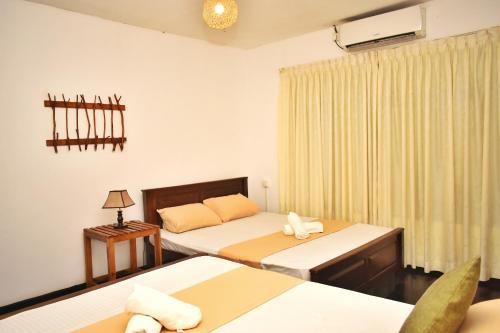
[259,22]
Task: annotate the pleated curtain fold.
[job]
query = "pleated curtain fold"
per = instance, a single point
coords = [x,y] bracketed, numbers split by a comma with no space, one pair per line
[404,137]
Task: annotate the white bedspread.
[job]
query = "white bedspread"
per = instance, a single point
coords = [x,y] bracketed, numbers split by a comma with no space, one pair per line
[295,261]
[309,307]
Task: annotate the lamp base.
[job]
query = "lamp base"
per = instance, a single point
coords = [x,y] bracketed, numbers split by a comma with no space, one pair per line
[120,224]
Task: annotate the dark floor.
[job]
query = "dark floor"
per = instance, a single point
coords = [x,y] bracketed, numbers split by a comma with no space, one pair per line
[412,283]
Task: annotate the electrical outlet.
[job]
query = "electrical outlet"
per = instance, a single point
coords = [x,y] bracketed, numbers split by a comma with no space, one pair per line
[265,183]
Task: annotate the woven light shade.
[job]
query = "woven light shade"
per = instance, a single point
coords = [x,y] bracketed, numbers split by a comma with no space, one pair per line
[220,14]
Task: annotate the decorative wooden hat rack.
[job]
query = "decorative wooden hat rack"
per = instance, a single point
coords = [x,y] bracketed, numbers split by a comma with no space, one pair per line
[81,104]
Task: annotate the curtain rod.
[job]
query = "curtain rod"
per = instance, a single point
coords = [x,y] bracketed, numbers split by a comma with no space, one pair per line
[282,69]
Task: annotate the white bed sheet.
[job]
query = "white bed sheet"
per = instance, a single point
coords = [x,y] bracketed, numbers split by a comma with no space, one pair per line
[296,261]
[309,307]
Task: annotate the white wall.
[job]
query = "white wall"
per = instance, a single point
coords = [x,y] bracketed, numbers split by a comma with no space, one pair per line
[180,123]
[195,112]
[258,102]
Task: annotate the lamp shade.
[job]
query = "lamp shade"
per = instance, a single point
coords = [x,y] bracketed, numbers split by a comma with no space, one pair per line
[118,199]
[220,14]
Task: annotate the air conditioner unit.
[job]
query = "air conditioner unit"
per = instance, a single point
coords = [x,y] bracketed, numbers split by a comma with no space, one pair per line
[393,27]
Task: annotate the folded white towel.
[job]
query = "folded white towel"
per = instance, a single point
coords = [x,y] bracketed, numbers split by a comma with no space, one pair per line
[170,312]
[297,226]
[142,324]
[288,230]
[311,227]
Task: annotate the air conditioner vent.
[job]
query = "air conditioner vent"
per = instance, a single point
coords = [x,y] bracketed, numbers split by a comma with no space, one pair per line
[402,38]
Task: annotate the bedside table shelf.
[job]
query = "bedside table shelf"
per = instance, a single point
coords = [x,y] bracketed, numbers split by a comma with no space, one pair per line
[110,236]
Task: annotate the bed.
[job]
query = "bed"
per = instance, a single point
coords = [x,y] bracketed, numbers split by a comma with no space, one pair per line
[363,257]
[307,307]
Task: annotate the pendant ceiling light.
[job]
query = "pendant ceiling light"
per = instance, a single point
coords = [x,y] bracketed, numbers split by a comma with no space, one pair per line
[220,14]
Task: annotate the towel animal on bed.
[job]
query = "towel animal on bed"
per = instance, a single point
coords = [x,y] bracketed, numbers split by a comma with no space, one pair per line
[300,229]
[149,304]
[143,324]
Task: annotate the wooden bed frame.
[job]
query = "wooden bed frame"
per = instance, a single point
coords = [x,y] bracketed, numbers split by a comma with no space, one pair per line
[370,268]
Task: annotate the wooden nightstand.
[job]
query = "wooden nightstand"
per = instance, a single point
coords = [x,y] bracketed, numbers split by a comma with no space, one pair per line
[110,236]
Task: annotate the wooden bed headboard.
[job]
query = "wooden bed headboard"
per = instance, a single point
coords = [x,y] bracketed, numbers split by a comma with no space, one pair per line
[158,198]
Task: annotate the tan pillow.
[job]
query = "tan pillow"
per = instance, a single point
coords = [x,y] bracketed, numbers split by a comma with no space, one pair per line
[482,317]
[188,217]
[231,207]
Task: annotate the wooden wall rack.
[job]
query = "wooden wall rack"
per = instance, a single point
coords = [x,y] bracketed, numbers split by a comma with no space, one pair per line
[80,104]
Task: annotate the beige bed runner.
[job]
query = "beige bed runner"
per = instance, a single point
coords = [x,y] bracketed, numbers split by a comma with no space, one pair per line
[252,251]
[221,299]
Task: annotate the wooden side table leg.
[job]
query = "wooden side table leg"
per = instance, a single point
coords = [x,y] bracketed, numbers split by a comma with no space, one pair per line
[87,243]
[133,256]
[158,259]
[110,248]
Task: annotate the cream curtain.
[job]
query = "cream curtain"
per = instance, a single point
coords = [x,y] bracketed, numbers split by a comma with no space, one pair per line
[401,137]
[325,151]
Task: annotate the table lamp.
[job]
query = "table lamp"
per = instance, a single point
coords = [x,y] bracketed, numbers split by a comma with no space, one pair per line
[118,199]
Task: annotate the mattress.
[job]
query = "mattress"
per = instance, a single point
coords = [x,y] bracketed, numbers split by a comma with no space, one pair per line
[308,307]
[296,261]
